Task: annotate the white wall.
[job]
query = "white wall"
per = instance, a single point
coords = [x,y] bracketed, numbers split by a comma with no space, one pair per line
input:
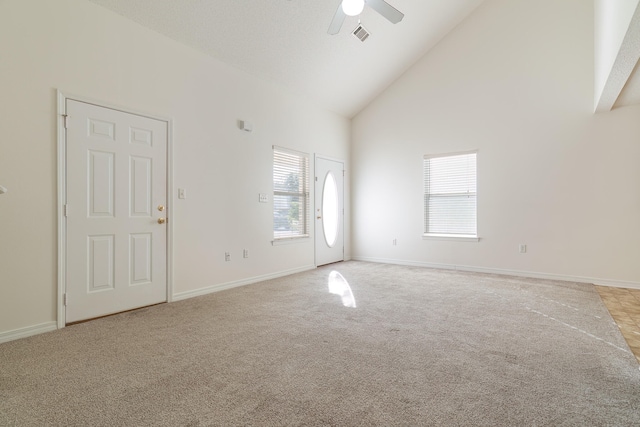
[611,20]
[82,49]
[515,81]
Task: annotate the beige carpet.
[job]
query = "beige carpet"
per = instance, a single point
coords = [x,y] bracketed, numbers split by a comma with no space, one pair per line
[421,347]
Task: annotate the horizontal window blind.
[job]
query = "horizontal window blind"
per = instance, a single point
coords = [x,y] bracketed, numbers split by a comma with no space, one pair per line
[450,194]
[290,194]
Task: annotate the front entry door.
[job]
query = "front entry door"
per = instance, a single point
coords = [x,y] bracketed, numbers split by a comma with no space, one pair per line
[116,211]
[329,211]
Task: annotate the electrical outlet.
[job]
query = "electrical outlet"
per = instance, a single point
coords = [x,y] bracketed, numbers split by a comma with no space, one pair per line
[522,249]
[227,256]
[262,198]
[245,253]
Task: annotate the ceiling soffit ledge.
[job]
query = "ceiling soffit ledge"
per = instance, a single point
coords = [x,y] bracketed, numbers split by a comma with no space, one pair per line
[622,86]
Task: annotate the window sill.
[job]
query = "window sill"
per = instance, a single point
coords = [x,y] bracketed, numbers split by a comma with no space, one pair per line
[454,237]
[289,240]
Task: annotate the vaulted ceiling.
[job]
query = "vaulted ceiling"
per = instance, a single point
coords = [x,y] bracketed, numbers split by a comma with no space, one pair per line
[618,26]
[286,41]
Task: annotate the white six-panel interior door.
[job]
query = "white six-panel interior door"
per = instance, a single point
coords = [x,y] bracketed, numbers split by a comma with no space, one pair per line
[329,210]
[116,206]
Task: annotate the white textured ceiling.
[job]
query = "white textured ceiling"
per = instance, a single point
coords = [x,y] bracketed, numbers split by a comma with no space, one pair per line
[286,41]
[627,65]
[630,94]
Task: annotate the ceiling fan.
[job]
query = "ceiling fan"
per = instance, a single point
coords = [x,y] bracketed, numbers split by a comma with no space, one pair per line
[355,7]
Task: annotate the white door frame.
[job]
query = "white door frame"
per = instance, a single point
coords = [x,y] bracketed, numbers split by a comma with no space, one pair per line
[315,243]
[62,195]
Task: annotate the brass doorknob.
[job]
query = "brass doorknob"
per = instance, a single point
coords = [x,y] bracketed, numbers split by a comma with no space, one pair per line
[160,208]
[319,217]
[161,220]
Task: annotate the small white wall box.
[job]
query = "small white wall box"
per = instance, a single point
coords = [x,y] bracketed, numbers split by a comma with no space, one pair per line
[246,126]
[3,189]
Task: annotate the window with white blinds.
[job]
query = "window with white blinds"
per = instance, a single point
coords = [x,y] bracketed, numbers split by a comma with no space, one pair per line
[450,195]
[290,194]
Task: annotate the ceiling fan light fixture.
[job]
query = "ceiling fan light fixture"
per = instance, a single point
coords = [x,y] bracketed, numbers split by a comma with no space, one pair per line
[352,7]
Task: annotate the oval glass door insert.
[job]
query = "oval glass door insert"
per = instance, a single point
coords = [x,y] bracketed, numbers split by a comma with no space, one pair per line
[330,210]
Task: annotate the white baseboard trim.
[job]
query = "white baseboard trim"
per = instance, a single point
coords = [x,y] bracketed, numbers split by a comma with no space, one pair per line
[519,273]
[52,326]
[229,285]
[28,331]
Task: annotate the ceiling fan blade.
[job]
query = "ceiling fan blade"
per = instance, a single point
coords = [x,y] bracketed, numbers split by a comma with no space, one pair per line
[338,20]
[386,10]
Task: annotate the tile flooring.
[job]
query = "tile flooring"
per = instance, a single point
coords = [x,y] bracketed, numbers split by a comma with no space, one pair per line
[624,306]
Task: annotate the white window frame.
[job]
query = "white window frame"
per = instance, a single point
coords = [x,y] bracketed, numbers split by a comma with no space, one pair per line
[286,159]
[471,191]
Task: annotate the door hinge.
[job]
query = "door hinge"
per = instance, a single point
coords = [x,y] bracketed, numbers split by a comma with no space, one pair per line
[66,210]
[64,299]
[66,120]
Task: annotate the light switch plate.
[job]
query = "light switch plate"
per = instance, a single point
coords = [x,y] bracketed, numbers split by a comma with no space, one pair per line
[262,198]
[182,193]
